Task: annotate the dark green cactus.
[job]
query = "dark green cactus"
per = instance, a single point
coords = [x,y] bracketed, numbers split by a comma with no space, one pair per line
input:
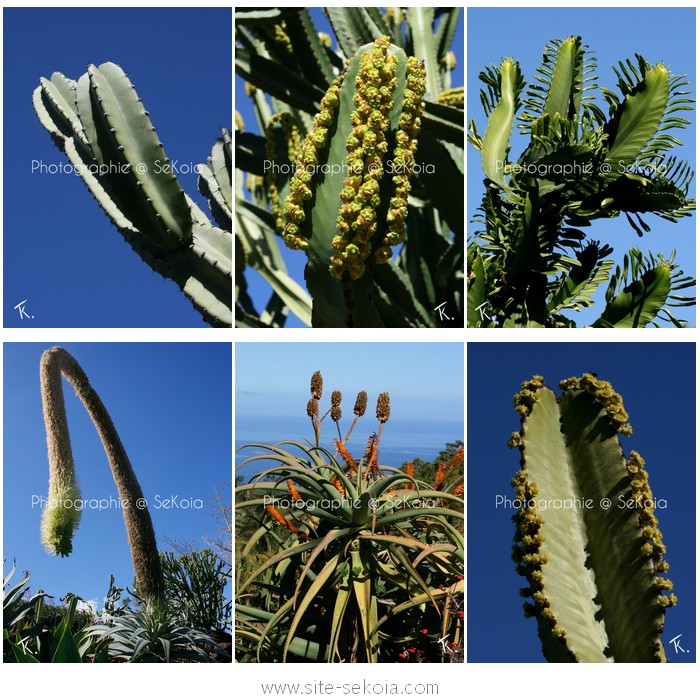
[587,539]
[101,124]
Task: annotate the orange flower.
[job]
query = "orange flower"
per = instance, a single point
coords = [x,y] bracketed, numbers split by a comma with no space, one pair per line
[458,458]
[440,474]
[409,469]
[336,482]
[459,491]
[293,491]
[284,522]
[371,453]
[342,451]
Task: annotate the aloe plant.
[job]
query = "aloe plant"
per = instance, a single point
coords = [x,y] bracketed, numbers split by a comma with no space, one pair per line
[587,538]
[352,561]
[345,136]
[529,262]
[101,124]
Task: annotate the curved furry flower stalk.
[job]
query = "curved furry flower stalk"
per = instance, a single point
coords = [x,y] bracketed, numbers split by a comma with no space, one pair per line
[293,490]
[61,517]
[287,524]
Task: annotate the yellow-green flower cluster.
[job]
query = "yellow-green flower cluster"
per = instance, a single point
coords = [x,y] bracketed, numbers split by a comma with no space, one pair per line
[293,142]
[611,401]
[403,160]
[515,440]
[449,61]
[300,190]
[526,551]
[453,97]
[528,397]
[653,546]
[366,145]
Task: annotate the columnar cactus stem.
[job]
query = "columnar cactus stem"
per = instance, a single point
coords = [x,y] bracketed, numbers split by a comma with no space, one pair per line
[62,515]
[587,539]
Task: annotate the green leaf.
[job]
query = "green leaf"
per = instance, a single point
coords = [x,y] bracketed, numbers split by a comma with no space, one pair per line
[638,303]
[496,141]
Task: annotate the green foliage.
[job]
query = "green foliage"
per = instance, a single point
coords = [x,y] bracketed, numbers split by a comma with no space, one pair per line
[354,562]
[530,263]
[101,125]
[155,634]
[194,586]
[593,554]
[367,112]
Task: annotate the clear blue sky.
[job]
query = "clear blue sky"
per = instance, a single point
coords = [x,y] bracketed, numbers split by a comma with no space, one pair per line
[62,253]
[295,261]
[170,403]
[425,380]
[613,34]
[657,383]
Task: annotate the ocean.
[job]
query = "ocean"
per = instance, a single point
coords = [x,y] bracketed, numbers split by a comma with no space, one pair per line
[402,440]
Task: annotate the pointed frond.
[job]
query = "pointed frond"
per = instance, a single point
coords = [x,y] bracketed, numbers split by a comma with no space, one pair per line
[651,101]
[641,288]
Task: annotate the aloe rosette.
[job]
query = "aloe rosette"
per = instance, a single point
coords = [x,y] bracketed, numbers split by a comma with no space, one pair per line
[349,532]
[587,538]
[101,124]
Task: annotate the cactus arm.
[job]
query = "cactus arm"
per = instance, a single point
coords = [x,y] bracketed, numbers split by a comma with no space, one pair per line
[59,520]
[215,180]
[592,568]
[119,111]
[420,21]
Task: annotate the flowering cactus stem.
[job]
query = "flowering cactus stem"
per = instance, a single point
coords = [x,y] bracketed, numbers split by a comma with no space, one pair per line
[353,169]
[593,555]
[62,515]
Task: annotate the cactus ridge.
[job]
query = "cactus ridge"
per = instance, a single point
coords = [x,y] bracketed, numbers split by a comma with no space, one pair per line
[587,539]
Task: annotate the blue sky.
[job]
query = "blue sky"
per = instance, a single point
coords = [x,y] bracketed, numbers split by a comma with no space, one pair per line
[296,261]
[425,382]
[613,34]
[62,253]
[656,381]
[170,403]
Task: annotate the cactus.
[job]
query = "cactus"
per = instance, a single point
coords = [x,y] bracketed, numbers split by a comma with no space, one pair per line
[587,539]
[62,515]
[102,126]
[375,132]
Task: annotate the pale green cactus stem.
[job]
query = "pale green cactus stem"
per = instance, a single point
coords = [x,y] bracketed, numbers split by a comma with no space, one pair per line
[101,124]
[593,553]
[62,515]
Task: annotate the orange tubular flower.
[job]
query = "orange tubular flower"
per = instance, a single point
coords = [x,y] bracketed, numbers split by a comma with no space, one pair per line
[284,522]
[293,491]
[342,451]
[459,491]
[440,474]
[458,458]
[409,469]
[336,482]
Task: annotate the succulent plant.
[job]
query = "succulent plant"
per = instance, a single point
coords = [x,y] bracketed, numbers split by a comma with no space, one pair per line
[587,538]
[366,195]
[101,124]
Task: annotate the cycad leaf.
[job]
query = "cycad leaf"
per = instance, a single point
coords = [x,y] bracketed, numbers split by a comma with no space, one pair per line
[495,144]
[638,303]
[637,119]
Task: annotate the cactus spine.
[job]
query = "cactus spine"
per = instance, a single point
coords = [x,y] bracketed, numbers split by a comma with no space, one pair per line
[62,516]
[100,123]
[594,568]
